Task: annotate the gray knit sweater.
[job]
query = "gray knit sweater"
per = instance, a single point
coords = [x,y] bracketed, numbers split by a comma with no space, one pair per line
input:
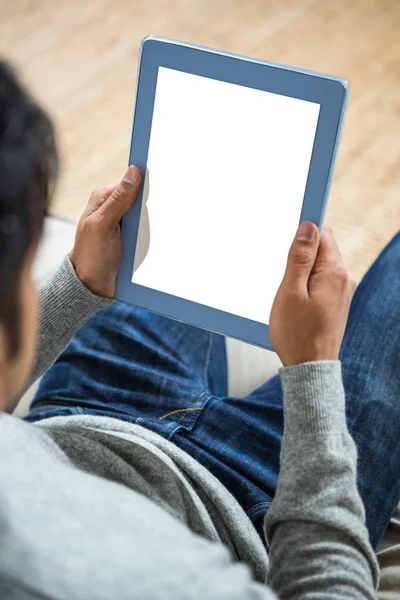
[95,508]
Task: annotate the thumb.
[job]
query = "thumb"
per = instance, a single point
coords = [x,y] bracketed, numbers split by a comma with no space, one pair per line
[302,255]
[122,198]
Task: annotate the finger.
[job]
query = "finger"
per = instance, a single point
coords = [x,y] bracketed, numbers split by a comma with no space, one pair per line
[122,197]
[328,251]
[98,197]
[302,255]
[106,190]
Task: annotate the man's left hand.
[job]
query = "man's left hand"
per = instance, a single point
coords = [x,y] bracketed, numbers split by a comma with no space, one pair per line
[97,249]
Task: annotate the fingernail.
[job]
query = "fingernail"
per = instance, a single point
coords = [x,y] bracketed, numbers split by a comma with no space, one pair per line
[306,232]
[132,175]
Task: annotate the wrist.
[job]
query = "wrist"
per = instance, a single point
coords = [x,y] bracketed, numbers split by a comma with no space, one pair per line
[93,284]
[324,349]
[296,361]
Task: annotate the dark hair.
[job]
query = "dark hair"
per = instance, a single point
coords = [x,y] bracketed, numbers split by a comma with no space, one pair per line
[28,171]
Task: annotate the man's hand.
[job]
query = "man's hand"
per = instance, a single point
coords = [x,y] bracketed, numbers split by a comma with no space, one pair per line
[310,311]
[97,249]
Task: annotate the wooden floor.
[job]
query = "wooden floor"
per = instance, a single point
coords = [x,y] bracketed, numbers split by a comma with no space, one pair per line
[79,57]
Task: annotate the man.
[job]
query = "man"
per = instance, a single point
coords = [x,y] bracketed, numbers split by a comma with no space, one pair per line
[134,475]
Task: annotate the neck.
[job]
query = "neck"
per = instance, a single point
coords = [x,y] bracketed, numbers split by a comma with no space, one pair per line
[3,399]
[4,402]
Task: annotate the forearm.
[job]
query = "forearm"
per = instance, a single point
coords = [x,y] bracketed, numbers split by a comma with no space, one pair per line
[319,545]
[65,305]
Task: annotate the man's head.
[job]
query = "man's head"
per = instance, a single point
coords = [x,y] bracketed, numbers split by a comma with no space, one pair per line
[28,170]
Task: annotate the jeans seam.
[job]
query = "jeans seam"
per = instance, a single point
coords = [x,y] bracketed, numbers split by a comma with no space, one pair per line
[180,410]
[208,355]
[41,403]
[192,408]
[184,410]
[255,509]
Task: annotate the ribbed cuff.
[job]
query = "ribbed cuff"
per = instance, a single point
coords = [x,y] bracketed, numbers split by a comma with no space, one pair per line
[313,397]
[71,300]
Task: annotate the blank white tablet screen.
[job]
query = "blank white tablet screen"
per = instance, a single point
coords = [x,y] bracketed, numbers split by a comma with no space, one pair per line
[227,170]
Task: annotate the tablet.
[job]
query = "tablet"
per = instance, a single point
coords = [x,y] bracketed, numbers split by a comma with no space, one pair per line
[235,152]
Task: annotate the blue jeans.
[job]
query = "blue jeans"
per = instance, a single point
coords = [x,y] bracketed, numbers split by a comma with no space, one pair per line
[171,378]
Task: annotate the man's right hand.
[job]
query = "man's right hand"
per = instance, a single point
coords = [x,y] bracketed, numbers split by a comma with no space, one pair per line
[310,311]
[97,250]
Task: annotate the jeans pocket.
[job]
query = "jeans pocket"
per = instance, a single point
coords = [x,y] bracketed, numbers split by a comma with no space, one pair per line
[180,421]
[186,418]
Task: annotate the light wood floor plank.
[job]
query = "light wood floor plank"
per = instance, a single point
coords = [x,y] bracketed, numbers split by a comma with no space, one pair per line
[79,57]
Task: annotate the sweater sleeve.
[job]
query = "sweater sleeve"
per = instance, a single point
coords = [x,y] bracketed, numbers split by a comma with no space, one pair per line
[319,546]
[65,304]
